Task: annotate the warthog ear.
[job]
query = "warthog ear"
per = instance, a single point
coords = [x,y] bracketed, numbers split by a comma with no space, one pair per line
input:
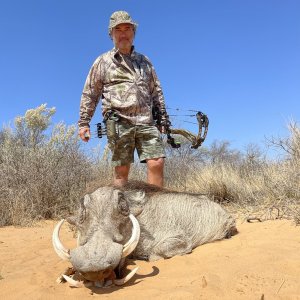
[123,206]
[136,200]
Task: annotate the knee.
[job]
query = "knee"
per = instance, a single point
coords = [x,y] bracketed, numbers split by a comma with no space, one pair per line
[121,175]
[156,163]
[121,171]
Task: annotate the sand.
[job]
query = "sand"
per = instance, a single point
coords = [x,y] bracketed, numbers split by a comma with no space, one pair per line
[261,262]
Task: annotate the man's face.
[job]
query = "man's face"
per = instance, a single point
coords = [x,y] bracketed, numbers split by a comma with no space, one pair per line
[123,35]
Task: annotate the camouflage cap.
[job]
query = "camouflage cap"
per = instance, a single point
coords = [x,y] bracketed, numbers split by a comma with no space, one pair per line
[120,17]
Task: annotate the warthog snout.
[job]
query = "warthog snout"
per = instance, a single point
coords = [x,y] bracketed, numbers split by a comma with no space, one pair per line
[100,253]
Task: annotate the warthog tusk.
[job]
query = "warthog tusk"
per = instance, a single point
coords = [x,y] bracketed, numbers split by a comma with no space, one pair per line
[61,251]
[134,239]
[72,282]
[126,278]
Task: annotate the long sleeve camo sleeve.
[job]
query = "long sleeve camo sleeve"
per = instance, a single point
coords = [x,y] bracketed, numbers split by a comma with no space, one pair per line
[91,95]
[158,97]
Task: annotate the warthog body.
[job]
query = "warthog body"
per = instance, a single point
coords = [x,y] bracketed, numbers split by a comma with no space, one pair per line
[171,223]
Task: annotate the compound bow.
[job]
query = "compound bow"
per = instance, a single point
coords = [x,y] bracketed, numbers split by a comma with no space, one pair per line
[195,139]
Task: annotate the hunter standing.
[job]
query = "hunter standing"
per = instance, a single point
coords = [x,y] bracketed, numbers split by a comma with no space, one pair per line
[130,92]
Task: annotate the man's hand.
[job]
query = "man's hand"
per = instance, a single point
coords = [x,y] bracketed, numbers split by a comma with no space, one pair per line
[162,129]
[85,134]
[164,125]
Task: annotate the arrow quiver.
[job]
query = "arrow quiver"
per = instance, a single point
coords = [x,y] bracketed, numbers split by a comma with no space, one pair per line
[100,130]
[109,125]
[110,120]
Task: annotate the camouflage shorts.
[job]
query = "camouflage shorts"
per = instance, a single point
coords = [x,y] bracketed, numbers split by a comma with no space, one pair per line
[145,139]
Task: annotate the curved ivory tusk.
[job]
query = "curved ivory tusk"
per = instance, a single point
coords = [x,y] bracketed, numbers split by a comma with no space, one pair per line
[72,282]
[134,239]
[61,251]
[126,278]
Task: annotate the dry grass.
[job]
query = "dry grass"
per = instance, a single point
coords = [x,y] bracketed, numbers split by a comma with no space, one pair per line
[44,175]
[252,187]
[271,192]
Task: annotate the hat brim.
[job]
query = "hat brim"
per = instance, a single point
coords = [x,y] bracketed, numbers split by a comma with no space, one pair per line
[124,22]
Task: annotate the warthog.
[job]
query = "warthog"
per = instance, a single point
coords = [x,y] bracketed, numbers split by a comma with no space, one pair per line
[142,220]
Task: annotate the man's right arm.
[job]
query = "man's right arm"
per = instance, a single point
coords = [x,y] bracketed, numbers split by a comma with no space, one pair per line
[159,102]
[90,98]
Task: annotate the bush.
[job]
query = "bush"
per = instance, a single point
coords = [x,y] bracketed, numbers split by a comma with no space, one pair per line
[42,176]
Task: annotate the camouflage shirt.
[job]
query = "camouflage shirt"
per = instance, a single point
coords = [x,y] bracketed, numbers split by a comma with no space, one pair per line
[127,84]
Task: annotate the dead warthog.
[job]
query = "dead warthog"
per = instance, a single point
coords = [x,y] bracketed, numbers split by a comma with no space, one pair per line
[142,220]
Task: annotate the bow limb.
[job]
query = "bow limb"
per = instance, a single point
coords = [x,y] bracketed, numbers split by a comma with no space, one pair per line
[198,139]
[185,133]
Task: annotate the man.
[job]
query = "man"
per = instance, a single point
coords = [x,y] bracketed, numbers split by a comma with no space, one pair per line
[130,91]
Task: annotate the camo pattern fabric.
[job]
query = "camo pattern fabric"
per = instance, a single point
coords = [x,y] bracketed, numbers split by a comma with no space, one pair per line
[119,17]
[125,138]
[127,84]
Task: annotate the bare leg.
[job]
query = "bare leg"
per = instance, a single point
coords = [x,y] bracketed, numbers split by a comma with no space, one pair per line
[155,173]
[121,175]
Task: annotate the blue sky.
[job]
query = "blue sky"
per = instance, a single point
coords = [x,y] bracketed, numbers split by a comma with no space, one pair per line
[236,60]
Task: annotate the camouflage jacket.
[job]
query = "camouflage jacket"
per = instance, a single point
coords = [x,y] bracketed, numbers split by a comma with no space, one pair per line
[127,84]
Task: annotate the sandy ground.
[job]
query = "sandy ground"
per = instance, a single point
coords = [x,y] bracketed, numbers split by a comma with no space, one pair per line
[261,262]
